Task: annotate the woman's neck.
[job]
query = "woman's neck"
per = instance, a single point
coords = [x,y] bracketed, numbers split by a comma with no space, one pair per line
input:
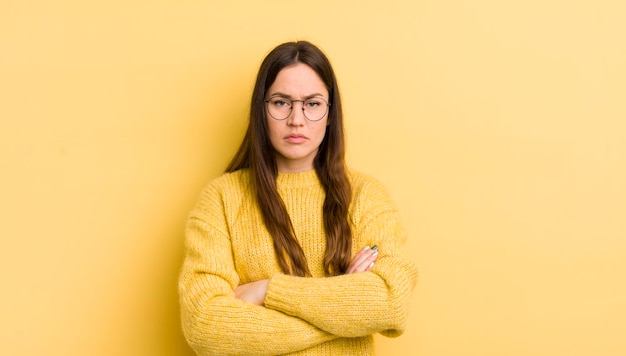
[293,166]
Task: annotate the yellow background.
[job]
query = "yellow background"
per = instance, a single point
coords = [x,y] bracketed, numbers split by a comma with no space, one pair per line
[498,127]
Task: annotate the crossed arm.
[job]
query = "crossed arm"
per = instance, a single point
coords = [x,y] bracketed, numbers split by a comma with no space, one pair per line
[255,292]
[222,317]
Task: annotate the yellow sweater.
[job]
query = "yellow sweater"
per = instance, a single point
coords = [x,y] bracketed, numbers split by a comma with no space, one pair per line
[227,245]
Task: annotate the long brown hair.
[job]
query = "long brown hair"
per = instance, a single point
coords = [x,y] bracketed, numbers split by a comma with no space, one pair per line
[257,154]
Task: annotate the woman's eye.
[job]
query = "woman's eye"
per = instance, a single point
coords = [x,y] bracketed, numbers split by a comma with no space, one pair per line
[313,103]
[280,102]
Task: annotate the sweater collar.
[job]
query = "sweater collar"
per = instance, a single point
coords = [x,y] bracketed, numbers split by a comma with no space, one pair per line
[300,179]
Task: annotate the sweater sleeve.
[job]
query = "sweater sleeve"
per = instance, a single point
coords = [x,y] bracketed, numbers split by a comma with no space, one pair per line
[213,320]
[358,304]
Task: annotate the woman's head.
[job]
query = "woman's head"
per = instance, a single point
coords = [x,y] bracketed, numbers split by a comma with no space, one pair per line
[266,142]
[284,56]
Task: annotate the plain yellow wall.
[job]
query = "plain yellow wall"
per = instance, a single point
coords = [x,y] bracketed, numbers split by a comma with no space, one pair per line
[497,126]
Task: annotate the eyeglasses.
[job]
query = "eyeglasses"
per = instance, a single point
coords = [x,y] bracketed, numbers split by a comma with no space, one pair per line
[314,108]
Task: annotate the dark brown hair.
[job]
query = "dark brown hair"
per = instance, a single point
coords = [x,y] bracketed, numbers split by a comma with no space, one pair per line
[257,154]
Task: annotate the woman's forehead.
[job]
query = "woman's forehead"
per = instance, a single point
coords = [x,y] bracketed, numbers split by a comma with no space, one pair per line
[297,81]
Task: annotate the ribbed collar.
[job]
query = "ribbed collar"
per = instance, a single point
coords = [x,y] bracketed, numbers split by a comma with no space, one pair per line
[295,180]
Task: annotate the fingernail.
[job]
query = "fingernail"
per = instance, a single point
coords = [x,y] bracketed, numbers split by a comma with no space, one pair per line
[366,248]
[371,265]
[375,253]
[374,247]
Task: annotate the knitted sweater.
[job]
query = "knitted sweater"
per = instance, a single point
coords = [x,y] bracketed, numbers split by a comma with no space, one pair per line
[227,244]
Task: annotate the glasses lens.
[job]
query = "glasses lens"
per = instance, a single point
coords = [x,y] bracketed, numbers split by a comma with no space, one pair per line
[315,108]
[279,108]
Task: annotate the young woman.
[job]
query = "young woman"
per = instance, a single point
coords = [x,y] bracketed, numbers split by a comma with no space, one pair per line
[289,252]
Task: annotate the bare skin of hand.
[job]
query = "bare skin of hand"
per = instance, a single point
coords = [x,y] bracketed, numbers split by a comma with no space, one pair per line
[253,292]
[363,261]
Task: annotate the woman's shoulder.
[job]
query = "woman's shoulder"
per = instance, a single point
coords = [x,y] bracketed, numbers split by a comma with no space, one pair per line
[225,192]
[231,179]
[227,184]
[369,197]
[368,190]
[360,181]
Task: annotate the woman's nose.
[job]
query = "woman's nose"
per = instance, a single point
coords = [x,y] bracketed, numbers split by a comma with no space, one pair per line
[297,117]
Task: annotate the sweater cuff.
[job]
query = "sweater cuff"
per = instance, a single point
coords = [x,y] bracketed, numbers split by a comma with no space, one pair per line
[280,295]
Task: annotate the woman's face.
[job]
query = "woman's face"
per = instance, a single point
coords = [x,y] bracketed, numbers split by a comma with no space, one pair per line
[296,139]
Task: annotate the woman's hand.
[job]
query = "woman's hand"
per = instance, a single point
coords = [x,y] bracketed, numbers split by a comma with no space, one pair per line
[253,292]
[364,260]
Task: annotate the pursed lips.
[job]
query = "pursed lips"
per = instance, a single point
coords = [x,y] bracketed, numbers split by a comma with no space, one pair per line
[295,138]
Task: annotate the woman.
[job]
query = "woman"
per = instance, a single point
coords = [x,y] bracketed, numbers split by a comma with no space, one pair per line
[289,252]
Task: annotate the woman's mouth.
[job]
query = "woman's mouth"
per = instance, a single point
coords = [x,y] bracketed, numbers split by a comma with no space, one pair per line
[295,138]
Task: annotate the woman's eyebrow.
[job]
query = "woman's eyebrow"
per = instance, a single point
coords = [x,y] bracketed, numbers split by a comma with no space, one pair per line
[287,96]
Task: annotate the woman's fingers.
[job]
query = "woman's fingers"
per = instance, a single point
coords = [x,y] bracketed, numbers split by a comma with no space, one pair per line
[366,261]
[363,260]
[253,292]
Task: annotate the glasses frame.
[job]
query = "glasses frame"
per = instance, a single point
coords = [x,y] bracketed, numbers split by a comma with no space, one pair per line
[291,101]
